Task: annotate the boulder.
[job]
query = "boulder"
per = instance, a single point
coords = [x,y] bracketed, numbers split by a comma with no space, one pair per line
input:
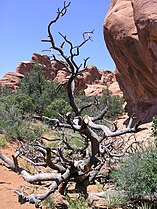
[94,89]
[130,32]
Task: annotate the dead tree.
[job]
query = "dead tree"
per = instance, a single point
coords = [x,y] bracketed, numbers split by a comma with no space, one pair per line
[70,163]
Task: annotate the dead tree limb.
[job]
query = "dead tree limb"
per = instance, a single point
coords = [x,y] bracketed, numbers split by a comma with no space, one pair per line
[37,198]
[26,176]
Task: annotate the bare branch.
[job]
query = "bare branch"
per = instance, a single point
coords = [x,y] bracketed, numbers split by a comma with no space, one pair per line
[88,34]
[27,177]
[85,107]
[108,132]
[8,161]
[60,13]
[85,62]
[55,123]
[50,163]
[101,115]
[37,198]
[67,161]
[124,151]
[45,41]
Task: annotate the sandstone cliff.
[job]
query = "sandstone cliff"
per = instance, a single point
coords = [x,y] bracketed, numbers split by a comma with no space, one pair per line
[130,32]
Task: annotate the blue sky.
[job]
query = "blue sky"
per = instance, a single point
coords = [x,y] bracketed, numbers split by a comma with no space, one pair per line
[23,24]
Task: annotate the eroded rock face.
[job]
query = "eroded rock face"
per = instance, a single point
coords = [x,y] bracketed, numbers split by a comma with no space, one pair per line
[130,32]
[42,59]
[96,80]
[91,81]
[26,66]
[11,79]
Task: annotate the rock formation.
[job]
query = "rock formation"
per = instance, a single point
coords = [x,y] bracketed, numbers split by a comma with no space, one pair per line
[130,32]
[26,66]
[11,79]
[92,81]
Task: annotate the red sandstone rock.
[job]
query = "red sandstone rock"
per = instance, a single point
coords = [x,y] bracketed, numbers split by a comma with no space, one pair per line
[61,76]
[130,32]
[114,88]
[91,74]
[42,59]
[24,67]
[92,81]
[58,65]
[11,79]
[94,89]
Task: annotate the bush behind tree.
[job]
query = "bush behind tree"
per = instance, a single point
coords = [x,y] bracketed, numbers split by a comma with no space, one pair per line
[16,112]
[137,175]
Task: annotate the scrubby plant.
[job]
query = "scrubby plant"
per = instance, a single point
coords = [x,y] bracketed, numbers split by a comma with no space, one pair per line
[35,85]
[57,107]
[145,205]
[4,91]
[117,199]
[154,130]
[138,174]
[2,140]
[45,95]
[22,103]
[115,103]
[16,117]
[78,203]
[49,203]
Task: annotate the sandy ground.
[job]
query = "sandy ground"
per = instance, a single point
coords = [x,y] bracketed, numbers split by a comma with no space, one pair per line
[9,182]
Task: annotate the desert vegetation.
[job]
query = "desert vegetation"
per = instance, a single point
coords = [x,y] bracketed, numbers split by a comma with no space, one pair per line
[75,137]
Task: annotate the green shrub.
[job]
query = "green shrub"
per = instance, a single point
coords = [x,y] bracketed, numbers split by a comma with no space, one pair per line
[154,130]
[115,104]
[138,174]
[116,199]
[145,205]
[22,103]
[5,91]
[49,203]
[16,117]
[34,85]
[41,91]
[3,140]
[57,107]
[79,203]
